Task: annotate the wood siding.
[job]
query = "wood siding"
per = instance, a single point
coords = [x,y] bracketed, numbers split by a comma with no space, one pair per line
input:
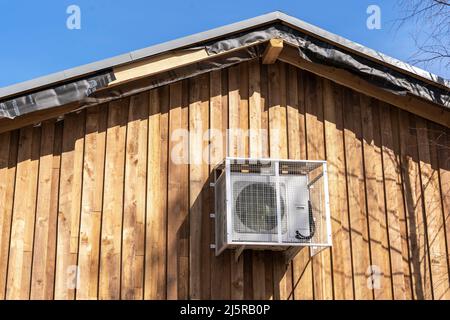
[113,202]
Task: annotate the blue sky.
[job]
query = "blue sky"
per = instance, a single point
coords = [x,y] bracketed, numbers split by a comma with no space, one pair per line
[35,40]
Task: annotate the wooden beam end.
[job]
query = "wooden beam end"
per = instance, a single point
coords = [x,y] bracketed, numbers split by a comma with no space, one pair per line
[272,51]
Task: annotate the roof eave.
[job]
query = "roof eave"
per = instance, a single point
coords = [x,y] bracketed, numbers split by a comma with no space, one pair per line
[192,40]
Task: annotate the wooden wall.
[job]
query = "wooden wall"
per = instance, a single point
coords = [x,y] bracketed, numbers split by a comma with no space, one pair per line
[98,195]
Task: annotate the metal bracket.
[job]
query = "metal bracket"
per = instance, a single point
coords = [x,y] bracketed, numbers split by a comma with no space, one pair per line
[212,215]
[315,250]
[290,254]
[212,184]
[238,252]
[212,246]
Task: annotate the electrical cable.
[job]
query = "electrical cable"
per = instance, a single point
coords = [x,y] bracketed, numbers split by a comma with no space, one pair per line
[312,226]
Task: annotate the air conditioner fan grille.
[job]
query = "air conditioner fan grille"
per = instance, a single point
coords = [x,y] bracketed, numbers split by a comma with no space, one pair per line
[256,209]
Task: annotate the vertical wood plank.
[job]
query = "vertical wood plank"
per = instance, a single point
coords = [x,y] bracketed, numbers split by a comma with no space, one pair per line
[199,268]
[256,151]
[434,216]
[315,143]
[356,194]
[243,88]
[178,202]
[233,113]
[264,113]
[22,229]
[302,266]
[91,208]
[442,138]
[46,212]
[277,111]
[111,231]
[220,265]
[158,131]
[419,264]
[375,197]
[255,109]
[266,256]
[69,206]
[279,150]
[295,140]
[133,234]
[236,149]
[334,138]
[276,139]
[207,196]
[286,283]
[8,163]
[394,203]
[248,276]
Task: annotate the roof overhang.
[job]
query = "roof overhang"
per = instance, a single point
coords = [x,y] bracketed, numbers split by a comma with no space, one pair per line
[191,49]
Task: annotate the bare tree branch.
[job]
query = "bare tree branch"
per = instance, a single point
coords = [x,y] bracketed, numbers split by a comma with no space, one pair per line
[432,36]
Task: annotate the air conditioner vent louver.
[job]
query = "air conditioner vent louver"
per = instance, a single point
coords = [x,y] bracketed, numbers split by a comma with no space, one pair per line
[271,204]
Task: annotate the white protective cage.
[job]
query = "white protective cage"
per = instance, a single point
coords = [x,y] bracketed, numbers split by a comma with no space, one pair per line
[252,197]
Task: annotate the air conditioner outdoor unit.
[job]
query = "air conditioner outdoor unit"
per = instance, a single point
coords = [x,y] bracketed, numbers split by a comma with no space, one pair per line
[271,204]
